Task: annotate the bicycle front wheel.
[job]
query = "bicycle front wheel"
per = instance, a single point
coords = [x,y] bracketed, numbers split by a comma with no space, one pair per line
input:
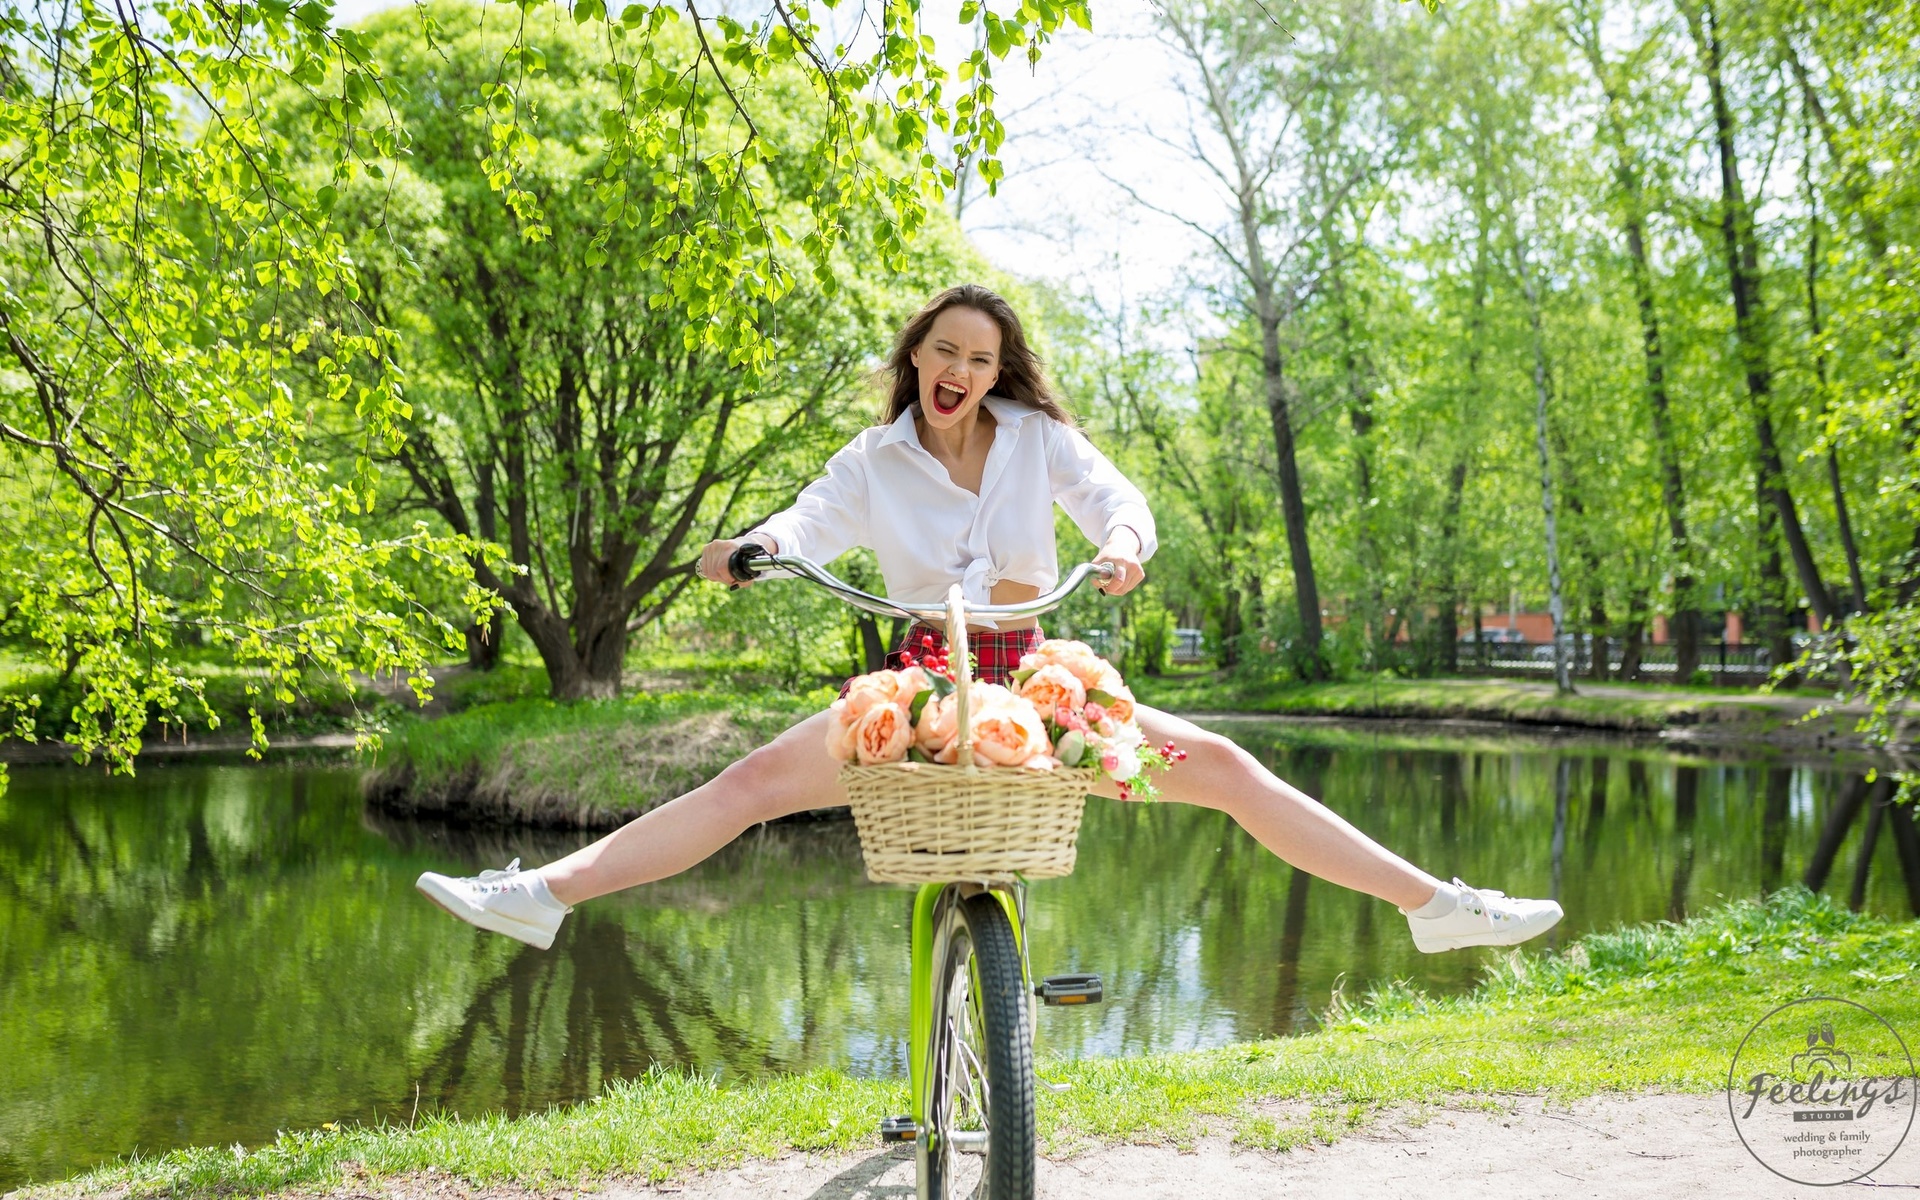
[980,1094]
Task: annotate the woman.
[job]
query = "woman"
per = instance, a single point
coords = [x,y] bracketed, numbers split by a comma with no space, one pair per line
[957,485]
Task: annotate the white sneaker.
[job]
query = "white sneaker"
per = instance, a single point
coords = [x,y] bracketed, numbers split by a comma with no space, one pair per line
[506,902]
[1483,917]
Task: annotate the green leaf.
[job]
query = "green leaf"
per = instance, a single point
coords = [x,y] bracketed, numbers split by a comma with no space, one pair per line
[315,15]
[919,704]
[1103,699]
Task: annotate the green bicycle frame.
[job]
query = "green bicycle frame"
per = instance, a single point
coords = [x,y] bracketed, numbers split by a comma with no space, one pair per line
[926,903]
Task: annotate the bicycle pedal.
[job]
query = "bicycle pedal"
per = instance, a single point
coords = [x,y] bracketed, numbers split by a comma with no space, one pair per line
[1069,989]
[899,1129]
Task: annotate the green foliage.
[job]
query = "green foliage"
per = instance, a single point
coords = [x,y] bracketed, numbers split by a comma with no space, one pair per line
[176,314]
[1433,186]
[200,380]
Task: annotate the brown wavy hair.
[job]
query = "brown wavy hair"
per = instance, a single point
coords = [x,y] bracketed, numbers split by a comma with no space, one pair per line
[1022,377]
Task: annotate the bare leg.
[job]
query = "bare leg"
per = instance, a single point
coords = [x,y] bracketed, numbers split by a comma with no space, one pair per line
[790,774]
[793,773]
[1301,830]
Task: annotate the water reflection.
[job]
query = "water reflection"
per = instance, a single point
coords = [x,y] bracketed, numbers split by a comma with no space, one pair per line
[209,954]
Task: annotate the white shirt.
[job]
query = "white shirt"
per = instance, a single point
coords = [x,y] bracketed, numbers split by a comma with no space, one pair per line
[886,491]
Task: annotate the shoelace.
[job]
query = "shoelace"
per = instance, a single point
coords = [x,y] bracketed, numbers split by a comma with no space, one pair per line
[492,883]
[1477,895]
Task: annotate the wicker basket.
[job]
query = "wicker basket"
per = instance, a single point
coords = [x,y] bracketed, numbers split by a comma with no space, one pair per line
[937,823]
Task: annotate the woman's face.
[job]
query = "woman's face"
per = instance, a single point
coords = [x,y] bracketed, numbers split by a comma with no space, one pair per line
[958,363]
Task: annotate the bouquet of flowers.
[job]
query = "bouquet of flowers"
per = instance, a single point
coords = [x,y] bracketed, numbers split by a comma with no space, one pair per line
[1067,707]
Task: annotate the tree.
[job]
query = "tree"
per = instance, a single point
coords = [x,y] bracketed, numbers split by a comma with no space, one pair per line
[565,412]
[182,318]
[1252,78]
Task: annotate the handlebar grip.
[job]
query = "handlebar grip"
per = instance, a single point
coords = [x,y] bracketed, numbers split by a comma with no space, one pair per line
[737,561]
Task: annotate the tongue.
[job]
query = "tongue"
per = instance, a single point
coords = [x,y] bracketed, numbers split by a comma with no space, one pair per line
[946,400]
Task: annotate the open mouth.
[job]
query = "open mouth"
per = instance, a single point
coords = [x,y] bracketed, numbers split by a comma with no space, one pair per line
[948,397]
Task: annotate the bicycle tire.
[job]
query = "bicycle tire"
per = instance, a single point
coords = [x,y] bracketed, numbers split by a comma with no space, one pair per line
[981,975]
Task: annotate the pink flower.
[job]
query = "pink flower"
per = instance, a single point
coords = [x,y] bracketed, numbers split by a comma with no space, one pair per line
[1109,762]
[882,735]
[1052,690]
[1095,713]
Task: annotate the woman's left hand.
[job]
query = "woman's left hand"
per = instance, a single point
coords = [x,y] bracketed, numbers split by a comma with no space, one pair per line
[1123,552]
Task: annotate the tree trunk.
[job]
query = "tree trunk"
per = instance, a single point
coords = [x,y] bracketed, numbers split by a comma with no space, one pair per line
[1360,418]
[1310,662]
[1636,632]
[483,642]
[1771,611]
[1556,602]
[1448,633]
[1750,313]
[872,647]
[1684,623]
[1858,601]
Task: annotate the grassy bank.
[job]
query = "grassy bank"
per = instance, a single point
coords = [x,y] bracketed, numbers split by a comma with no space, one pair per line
[587,764]
[505,755]
[1652,1006]
[1625,708]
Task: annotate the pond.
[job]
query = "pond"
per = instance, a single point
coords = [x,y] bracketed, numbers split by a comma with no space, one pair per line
[207,954]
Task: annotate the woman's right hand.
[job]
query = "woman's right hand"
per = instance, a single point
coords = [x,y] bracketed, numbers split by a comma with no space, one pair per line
[714,556]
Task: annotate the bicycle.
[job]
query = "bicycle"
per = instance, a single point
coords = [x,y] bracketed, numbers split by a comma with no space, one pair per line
[971,1029]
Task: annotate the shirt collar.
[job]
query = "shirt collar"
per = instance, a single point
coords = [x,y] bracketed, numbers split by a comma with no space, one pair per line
[1005,411]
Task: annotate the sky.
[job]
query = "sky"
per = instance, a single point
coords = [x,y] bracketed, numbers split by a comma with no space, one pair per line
[1087,132]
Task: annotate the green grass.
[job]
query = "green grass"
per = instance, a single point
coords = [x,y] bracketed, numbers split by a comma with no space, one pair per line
[1483,699]
[1651,1006]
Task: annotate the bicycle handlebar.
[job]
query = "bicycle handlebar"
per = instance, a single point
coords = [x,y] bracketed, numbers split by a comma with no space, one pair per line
[750,559]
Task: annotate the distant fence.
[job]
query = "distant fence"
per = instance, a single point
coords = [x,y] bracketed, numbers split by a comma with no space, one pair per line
[1726,663]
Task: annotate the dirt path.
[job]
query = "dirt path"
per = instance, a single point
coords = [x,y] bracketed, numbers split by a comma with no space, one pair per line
[1602,1147]
[1611,1147]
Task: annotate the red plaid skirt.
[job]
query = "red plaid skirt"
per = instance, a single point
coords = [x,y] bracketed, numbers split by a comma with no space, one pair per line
[995,655]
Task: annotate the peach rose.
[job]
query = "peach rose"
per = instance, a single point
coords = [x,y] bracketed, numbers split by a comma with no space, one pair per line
[840,732]
[1077,657]
[910,681]
[1052,688]
[882,735]
[867,691]
[1110,683]
[1008,736]
[936,725]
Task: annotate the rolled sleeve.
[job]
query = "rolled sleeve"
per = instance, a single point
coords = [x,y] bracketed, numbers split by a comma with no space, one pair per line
[828,518]
[1094,492]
